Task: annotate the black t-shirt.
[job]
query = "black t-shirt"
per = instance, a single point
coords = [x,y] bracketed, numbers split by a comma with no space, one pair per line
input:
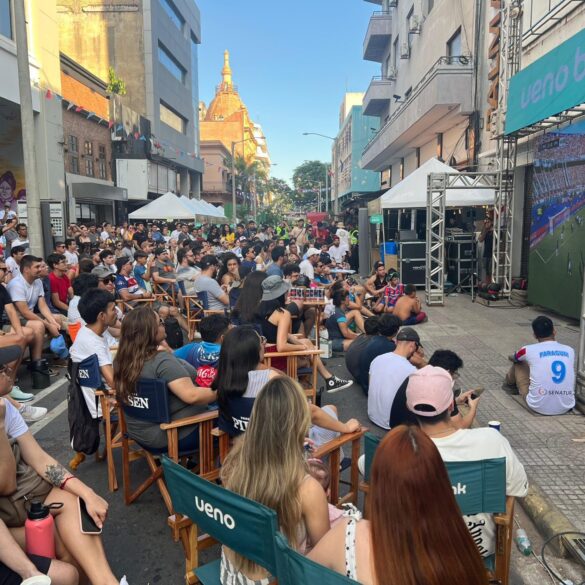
[139,237]
[379,346]
[4,300]
[354,353]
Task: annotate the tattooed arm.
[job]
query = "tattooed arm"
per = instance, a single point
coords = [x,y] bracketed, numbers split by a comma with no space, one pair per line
[51,470]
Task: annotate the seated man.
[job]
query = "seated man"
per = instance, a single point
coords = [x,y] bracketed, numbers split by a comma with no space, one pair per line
[387,373]
[393,291]
[217,297]
[338,324]
[544,372]
[13,262]
[187,271]
[204,356]
[126,285]
[376,283]
[61,291]
[383,342]
[430,397]
[355,350]
[28,296]
[408,308]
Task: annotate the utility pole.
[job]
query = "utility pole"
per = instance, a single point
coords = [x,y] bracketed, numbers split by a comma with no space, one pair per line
[33,197]
[234,219]
[319,198]
[327,204]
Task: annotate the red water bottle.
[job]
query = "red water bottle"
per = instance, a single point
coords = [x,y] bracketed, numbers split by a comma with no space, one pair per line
[39,530]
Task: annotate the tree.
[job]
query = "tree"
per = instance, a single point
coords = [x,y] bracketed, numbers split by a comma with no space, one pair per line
[307,178]
[115,84]
[281,202]
[250,179]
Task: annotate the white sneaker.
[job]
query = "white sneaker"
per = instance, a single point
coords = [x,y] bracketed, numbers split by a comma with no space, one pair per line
[32,413]
[123,581]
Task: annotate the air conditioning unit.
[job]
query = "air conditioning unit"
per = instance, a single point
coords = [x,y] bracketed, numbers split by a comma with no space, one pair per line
[392,73]
[404,51]
[414,25]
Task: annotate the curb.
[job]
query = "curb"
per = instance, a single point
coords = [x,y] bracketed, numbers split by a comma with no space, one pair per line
[546,517]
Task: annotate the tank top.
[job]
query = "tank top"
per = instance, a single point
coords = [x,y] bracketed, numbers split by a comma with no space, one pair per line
[234,420]
[379,283]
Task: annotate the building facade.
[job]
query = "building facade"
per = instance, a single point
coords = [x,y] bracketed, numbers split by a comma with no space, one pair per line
[43,46]
[217,176]
[431,89]
[152,46]
[349,182]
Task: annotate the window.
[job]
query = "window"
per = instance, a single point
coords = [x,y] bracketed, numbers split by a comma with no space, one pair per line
[88,148]
[430,4]
[172,119]
[89,166]
[6,18]
[454,45]
[409,24]
[73,144]
[102,169]
[171,64]
[173,14]
[74,166]
[395,53]
[388,65]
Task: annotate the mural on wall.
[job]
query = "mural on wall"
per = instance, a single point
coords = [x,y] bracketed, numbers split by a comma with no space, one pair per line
[12,183]
[557,233]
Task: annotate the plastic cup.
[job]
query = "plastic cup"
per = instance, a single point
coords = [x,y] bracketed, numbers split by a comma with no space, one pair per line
[495,424]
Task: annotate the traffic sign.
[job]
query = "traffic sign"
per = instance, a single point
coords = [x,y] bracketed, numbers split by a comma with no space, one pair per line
[377,218]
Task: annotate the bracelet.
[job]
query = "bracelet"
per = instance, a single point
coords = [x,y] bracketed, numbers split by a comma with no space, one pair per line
[62,486]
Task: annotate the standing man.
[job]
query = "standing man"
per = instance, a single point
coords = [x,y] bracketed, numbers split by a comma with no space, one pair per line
[308,266]
[544,372]
[299,233]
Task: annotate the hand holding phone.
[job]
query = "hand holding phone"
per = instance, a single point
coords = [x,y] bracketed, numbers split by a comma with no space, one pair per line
[86,522]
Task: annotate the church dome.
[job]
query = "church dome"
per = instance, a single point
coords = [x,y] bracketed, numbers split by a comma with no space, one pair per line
[227,100]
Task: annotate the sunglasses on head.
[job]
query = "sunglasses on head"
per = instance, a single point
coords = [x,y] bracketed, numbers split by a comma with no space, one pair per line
[109,280]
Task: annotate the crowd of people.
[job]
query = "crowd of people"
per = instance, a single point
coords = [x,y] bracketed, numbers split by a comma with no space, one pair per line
[121,294]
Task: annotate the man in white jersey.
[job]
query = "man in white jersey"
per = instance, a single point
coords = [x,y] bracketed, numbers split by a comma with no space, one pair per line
[544,372]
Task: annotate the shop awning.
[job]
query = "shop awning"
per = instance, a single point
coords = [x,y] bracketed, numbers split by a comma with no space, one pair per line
[167,206]
[411,192]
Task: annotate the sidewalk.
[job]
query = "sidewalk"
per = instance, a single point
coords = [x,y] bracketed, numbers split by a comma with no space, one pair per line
[484,337]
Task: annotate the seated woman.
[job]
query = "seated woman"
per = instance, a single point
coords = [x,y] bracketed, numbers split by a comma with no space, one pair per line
[229,271]
[138,357]
[275,320]
[242,375]
[340,322]
[408,481]
[244,312]
[52,483]
[268,466]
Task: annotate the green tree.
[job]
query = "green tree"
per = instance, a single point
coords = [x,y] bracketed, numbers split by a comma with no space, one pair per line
[306,178]
[281,202]
[115,84]
[251,177]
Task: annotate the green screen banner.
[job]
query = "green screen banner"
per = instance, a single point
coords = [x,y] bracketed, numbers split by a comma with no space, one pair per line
[550,85]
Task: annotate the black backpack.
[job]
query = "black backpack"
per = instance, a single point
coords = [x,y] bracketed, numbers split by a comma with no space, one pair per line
[84,430]
[174,333]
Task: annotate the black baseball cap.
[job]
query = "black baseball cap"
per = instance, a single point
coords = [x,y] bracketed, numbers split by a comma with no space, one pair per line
[408,334]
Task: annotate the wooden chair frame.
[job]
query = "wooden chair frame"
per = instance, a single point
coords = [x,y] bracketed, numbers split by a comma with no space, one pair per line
[163,296]
[194,312]
[292,366]
[112,434]
[125,306]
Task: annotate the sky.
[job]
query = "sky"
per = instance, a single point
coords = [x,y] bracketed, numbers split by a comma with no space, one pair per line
[292,62]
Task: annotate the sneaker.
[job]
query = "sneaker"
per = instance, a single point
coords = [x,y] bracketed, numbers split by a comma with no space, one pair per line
[335,384]
[17,394]
[123,580]
[32,413]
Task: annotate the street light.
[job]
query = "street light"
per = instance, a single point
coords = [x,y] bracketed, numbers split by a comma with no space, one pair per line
[327,194]
[234,217]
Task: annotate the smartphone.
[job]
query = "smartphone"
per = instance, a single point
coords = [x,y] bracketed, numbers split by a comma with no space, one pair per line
[477,392]
[86,522]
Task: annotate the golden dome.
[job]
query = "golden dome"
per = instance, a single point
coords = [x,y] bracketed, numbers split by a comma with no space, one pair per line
[227,100]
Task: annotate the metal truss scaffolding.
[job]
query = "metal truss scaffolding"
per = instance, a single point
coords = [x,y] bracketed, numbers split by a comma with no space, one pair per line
[437,186]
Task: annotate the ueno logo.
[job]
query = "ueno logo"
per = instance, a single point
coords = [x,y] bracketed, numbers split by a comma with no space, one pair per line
[215,513]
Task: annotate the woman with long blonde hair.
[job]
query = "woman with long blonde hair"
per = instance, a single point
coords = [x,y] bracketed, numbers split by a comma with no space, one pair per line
[268,466]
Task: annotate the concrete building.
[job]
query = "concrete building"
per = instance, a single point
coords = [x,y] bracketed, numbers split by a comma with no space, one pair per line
[43,45]
[431,89]
[217,177]
[92,196]
[350,184]
[151,45]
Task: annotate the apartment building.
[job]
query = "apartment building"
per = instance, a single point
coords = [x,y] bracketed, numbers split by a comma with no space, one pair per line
[152,46]
[428,96]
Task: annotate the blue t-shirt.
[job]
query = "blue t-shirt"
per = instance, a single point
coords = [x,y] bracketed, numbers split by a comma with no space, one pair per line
[204,357]
[274,270]
[139,272]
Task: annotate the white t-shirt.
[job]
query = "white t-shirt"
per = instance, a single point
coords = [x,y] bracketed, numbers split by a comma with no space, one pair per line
[85,345]
[343,236]
[74,316]
[12,267]
[21,290]
[337,253]
[104,236]
[476,445]
[13,421]
[307,269]
[552,376]
[387,372]
[71,257]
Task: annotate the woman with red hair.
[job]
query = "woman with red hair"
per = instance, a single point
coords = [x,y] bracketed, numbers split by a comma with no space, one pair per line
[415,533]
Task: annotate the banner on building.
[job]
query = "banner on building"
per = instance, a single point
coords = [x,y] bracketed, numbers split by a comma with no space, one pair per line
[12,184]
[557,234]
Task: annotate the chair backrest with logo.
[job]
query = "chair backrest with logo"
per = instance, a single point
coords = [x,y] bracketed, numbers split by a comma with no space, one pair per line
[246,527]
[150,402]
[88,372]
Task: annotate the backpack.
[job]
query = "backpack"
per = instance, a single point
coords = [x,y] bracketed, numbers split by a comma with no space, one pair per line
[174,333]
[84,430]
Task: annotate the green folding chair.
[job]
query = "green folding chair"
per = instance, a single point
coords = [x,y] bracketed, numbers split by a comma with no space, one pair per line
[245,526]
[296,569]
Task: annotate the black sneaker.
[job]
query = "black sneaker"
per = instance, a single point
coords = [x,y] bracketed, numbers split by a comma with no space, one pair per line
[335,384]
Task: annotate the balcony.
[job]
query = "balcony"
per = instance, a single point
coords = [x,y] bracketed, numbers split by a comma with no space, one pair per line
[378,95]
[378,36]
[440,100]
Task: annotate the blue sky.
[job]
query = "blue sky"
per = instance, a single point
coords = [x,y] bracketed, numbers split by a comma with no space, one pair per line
[292,62]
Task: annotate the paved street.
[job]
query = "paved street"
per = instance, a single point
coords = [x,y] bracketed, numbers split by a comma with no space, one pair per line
[138,541]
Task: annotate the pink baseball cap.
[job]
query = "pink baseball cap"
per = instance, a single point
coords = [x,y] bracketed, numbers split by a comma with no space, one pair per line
[429,391]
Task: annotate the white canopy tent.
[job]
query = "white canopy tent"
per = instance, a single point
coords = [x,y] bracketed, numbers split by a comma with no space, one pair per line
[212,211]
[167,206]
[411,192]
[195,205]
